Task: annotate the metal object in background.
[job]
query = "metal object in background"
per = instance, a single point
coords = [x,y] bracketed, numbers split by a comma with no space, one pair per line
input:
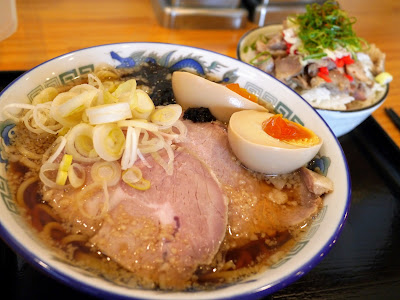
[268,12]
[206,3]
[199,17]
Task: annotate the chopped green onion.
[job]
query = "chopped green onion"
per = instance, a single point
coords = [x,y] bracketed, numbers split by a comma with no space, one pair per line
[326,26]
[315,56]
[254,61]
[253,45]
[263,39]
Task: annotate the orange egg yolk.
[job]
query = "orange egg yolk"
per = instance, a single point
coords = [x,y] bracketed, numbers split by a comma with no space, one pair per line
[285,130]
[242,92]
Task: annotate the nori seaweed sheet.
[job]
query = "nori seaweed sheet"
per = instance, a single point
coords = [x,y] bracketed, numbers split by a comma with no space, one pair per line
[158,78]
[199,115]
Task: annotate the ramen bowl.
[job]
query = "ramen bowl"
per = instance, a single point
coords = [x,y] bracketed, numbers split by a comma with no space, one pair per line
[326,226]
[340,121]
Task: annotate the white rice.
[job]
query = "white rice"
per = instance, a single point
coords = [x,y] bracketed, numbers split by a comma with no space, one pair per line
[321,97]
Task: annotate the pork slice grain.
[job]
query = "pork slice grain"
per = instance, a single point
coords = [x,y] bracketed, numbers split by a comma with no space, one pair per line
[253,209]
[163,234]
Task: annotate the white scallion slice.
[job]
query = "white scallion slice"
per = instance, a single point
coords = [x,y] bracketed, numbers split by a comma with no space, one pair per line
[130,154]
[76,104]
[30,123]
[94,80]
[41,116]
[141,185]
[138,124]
[166,115]
[58,145]
[80,143]
[16,109]
[167,166]
[108,113]
[182,130]
[126,92]
[134,178]
[126,156]
[143,159]
[63,131]
[70,114]
[108,98]
[145,106]
[171,133]
[76,179]
[48,167]
[132,175]
[108,141]
[110,85]
[79,89]
[110,172]
[153,145]
[46,95]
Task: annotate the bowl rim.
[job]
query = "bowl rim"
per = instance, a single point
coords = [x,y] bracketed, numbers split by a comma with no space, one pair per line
[238,56]
[260,291]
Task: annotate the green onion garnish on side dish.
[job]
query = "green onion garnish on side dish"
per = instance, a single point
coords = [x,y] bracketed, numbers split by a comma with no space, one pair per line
[253,45]
[254,60]
[315,56]
[326,26]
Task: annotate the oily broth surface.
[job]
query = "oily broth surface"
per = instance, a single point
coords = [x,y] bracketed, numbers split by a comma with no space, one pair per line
[240,255]
[229,265]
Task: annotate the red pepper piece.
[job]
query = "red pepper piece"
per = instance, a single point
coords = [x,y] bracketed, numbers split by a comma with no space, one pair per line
[349,77]
[347,60]
[288,46]
[324,77]
[324,70]
[339,62]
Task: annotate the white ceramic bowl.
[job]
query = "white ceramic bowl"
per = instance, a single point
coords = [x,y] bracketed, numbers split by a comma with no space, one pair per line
[340,121]
[304,256]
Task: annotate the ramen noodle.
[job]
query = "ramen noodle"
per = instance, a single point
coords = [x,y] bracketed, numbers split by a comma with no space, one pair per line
[111,176]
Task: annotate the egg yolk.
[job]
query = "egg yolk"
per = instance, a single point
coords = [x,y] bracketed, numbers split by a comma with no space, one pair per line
[288,131]
[242,92]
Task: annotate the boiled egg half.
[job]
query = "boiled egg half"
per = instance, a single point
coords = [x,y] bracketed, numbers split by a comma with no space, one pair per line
[270,144]
[194,91]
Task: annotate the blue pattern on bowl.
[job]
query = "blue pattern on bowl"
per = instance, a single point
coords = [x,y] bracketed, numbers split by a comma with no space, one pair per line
[228,75]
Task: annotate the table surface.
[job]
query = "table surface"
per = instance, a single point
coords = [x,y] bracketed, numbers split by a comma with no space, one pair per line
[49,28]
[364,264]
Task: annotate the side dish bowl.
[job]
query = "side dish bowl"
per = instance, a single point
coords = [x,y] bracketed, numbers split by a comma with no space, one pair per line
[59,71]
[340,121]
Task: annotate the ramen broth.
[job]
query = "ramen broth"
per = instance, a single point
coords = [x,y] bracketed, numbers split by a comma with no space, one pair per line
[240,254]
